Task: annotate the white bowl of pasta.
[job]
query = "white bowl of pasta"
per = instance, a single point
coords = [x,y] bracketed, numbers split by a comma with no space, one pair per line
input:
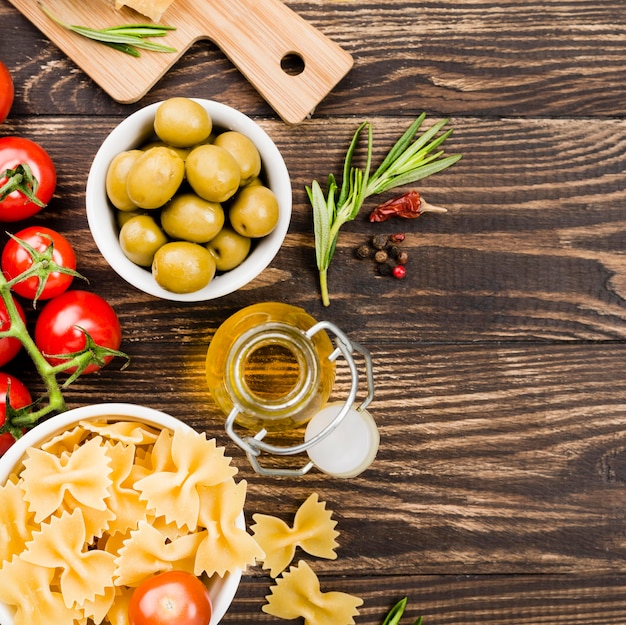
[91,504]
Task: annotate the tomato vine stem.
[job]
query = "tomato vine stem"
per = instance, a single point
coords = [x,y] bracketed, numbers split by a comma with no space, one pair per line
[18,330]
[53,400]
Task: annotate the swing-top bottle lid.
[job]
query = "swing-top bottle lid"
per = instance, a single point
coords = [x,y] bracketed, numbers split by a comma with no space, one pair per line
[349,448]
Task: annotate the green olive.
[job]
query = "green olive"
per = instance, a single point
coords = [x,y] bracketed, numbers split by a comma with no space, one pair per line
[183,267]
[190,218]
[229,248]
[140,238]
[117,173]
[154,177]
[182,122]
[121,217]
[243,151]
[212,173]
[254,212]
[182,152]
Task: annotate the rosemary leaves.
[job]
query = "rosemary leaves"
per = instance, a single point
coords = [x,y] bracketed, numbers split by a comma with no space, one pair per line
[127,38]
[413,157]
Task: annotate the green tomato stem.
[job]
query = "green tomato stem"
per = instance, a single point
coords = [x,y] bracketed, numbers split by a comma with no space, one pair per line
[53,400]
[20,179]
[18,330]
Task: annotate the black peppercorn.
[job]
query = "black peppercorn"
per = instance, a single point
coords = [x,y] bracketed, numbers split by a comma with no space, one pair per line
[385,269]
[402,258]
[380,241]
[394,250]
[381,256]
[363,251]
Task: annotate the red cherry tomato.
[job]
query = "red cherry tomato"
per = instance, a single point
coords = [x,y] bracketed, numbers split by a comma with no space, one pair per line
[171,598]
[58,326]
[9,346]
[18,398]
[16,259]
[6,92]
[16,204]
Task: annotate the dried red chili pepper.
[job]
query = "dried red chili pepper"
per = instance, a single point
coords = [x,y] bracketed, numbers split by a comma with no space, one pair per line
[408,205]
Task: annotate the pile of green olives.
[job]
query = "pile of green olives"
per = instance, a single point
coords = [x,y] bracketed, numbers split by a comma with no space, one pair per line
[192,202]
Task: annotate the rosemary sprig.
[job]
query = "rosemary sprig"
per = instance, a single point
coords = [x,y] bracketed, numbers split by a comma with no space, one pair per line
[126,38]
[413,157]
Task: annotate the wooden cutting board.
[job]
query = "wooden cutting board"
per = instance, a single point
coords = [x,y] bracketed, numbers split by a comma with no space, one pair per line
[256,35]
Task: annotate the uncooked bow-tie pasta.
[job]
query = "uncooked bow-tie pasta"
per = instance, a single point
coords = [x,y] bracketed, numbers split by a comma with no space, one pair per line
[220,544]
[130,432]
[101,507]
[16,522]
[124,501]
[175,494]
[60,545]
[313,531]
[31,589]
[297,594]
[83,474]
[148,551]
[224,540]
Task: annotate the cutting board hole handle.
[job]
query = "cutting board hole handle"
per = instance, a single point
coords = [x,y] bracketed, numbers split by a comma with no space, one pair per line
[292,64]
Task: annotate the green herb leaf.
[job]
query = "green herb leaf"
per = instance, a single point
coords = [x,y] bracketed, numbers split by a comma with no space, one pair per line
[401,145]
[395,614]
[126,38]
[413,157]
[140,30]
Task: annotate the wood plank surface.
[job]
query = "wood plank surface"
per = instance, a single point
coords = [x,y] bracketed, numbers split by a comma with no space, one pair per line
[258,39]
[499,492]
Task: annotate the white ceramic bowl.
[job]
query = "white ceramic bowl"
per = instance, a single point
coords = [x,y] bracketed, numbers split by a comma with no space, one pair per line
[137,129]
[221,590]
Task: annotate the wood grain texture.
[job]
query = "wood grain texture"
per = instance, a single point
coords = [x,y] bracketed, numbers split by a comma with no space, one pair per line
[499,492]
[475,57]
[257,39]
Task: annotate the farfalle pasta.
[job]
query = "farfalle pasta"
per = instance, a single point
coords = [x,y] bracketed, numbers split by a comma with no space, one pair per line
[124,501]
[148,551]
[98,509]
[16,522]
[130,432]
[83,474]
[30,588]
[313,531]
[223,540]
[297,594]
[60,545]
[174,492]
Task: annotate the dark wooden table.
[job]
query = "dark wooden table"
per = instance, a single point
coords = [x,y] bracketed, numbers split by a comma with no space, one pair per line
[499,492]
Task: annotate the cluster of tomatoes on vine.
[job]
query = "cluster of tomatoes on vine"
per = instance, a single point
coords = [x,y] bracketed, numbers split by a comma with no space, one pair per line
[76,332]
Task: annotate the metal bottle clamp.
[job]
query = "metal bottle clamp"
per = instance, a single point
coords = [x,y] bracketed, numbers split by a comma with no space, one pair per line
[254,445]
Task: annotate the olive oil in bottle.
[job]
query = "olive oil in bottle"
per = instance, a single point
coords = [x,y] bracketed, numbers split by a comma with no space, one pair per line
[262,363]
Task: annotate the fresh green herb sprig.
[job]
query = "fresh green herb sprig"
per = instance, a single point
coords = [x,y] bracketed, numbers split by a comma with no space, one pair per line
[413,157]
[127,38]
[395,614]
